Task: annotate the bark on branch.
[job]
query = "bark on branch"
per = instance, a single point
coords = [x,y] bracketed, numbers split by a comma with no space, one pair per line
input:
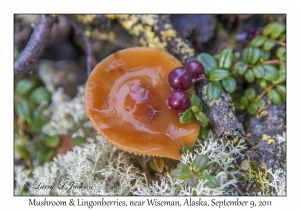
[34,47]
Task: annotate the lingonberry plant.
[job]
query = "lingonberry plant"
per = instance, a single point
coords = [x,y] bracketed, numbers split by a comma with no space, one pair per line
[180,79]
[262,62]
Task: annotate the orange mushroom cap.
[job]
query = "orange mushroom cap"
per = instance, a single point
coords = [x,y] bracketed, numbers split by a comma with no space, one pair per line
[125,98]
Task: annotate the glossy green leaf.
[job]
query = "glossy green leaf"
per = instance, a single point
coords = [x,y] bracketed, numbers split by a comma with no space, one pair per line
[282,67]
[195,109]
[250,94]
[269,44]
[249,76]
[265,55]
[199,163]
[274,29]
[182,171]
[187,117]
[229,84]
[202,119]
[40,94]
[79,141]
[47,156]
[186,149]
[37,121]
[252,109]
[214,90]
[218,74]
[208,61]
[23,110]
[194,100]
[258,41]
[157,164]
[251,55]
[225,59]
[270,73]
[281,90]
[281,78]
[244,101]
[52,141]
[258,71]
[24,86]
[280,53]
[262,83]
[236,56]
[260,103]
[274,96]
[192,180]
[22,151]
[212,182]
[242,68]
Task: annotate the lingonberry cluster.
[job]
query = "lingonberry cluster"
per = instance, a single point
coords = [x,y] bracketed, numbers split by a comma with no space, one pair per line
[180,79]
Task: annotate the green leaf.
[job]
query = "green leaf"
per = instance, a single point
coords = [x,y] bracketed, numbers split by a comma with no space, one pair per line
[208,62]
[281,78]
[52,141]
[182,171]
[275,29]
[244,101]
[258,71]
[242,68]
[251,55]
[281,90]
[47,156]
[252,109]
[199,163]
[274,96]
[269,44]
[279,29]
[280,53]
[187,117]
[212,182]
[236,56]
[192,180]
[158,164]
[202,119]
[195,109]
[271,73]
[40,94]
[250,94]
[79,141]
[37,121]
[23,110]
[225,59]
[22,151]
[262,83]
[214,90]
[265,55]
[258,41]
[229,84]
[249,76]
[186,149]
[218,74]
[260,103]
[194,100]
[24,86]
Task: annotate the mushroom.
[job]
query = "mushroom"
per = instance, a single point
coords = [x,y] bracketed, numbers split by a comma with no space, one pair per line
[125,99]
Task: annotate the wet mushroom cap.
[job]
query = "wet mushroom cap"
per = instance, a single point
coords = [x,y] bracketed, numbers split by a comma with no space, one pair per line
[125,99]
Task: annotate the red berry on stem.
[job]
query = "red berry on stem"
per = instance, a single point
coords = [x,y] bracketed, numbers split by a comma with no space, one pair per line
[179,100]
[180,79]
[196,68]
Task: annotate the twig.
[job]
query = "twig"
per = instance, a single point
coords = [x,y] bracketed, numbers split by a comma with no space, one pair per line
[89,52]
[35,46]
[264,92]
